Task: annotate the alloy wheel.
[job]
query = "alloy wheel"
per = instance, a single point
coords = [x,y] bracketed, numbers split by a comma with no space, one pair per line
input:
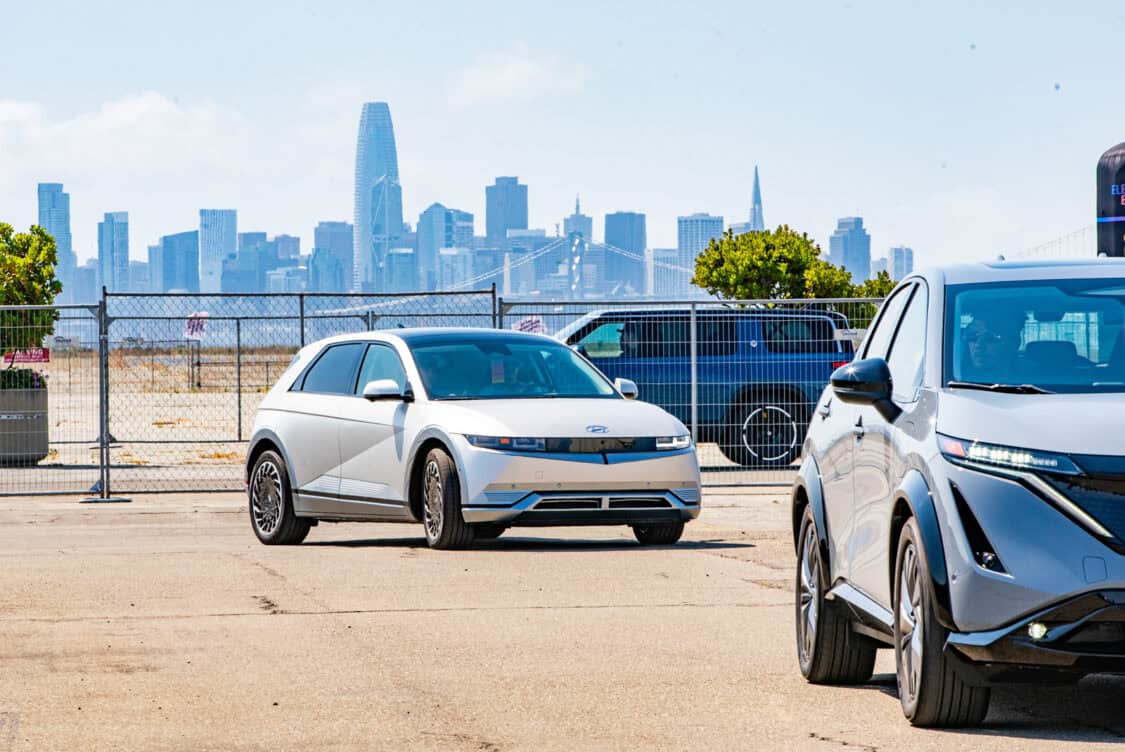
[808,595]
[910,624]
[434,501]
[769,433]
[265,497]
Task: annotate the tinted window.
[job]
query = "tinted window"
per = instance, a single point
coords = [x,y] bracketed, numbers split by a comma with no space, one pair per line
[879,338]
[1060,335]
[380,362]
[908,350]
[334,370]
[716,336]
[640,338]
[799,335]
[463,367]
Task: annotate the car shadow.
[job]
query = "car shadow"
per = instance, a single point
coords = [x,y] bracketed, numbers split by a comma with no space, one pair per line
[1089,711]
[523,543]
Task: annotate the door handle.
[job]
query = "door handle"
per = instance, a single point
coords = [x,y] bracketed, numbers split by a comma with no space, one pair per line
[826,409]
[858,429]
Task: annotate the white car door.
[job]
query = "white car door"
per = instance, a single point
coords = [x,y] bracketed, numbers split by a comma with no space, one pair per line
[372,447]
[314,406]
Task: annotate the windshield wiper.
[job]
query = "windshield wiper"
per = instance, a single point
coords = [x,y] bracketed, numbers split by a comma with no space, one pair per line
[1006,388]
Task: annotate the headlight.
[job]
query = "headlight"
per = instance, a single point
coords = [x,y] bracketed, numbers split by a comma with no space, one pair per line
[673,442]
[508,443]
[1002,456]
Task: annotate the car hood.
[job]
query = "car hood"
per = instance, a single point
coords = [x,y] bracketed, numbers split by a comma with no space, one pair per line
[1067,423]
[554,418]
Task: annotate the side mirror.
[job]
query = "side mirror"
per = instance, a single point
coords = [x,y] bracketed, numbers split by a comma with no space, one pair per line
[627,388]
[386,389]
[866,382]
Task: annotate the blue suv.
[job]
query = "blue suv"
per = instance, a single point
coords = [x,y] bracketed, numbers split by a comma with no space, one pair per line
[759,371]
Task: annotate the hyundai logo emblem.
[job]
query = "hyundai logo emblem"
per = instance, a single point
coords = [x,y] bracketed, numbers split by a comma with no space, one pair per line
[597,429]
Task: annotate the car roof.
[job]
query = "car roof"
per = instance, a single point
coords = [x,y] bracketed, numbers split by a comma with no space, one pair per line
[789,307]
[421,334]
[1014,271]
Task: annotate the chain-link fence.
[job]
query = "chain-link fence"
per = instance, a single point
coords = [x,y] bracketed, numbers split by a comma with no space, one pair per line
[743,376]
[148,393]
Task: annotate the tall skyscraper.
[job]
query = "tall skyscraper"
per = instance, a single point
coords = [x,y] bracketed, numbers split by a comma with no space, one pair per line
[505,208]
[179,262]
[288,246]
[338,239]
[757,218]
[900,261]
[378,196]
[625,230]
[54,217]
[694,232]
[218,240]
[579,224]
[156,268]
[113,252]
[850,248]
[439,227]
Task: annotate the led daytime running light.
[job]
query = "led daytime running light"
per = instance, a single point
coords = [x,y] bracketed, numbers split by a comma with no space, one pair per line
[1002,456]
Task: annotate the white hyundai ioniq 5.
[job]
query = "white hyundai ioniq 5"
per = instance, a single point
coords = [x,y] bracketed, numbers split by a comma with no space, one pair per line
[468,431]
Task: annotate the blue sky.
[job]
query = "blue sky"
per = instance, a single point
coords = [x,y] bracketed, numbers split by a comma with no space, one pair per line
[960,129]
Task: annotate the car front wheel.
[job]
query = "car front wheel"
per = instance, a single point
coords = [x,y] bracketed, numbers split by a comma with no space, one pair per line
[929,688]
[444,524]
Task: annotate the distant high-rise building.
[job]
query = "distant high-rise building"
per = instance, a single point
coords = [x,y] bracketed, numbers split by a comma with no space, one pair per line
[401,271]
[326,272]
[250,241]
[505,208]
[138,276]
[625,231]
[113,252]
[54,217]
[438,227]
[694,232]
[757,218]
[900,261]
[218,240]
[156,268]
[455,266]
[286,279]
[579,224]
[378,195]
[179,261]
[850,248]
[288,246]
[337,238]
[85,283]
[878,265]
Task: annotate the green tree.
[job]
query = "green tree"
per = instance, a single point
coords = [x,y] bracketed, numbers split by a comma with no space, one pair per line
[27,277]
[879,286]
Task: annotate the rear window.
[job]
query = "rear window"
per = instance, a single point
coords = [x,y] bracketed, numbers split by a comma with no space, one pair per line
[661,337]
[799,336]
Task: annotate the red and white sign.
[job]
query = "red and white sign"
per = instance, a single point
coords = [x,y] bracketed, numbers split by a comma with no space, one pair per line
[30,355]
[196,326]
[530,324]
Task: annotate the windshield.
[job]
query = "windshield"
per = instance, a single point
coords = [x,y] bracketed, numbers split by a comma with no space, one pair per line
[466,367]
[1058,335]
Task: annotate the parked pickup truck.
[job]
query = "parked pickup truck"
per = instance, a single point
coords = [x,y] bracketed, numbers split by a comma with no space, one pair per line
[759,371]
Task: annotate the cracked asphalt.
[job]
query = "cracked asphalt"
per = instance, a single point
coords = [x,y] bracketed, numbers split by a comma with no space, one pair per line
[163,624]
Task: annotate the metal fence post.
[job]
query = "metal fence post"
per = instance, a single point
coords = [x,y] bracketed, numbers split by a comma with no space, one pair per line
[693,338]
[499,313]
[301,309]
[103,487]
[495,320]
[238,372]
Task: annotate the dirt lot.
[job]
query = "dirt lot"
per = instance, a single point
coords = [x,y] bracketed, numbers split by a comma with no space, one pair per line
[163,624]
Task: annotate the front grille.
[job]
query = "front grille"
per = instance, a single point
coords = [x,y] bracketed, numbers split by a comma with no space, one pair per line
[653,503]
[1101,498]
[609,445]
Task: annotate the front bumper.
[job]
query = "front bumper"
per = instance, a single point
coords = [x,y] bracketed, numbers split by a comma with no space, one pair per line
[1085,634]
[532,508]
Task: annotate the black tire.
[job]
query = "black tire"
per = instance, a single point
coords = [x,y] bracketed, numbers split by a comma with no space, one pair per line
[765,432]
[442,521]
[271,503]
[828,649]
[488,530]
[659,533]
[929,688]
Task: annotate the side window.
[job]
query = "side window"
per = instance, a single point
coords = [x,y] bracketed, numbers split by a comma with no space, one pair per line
[334,371]
[879,339]
[798,335]
[380,362]
[604,341]
[716,336]
[909,349]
